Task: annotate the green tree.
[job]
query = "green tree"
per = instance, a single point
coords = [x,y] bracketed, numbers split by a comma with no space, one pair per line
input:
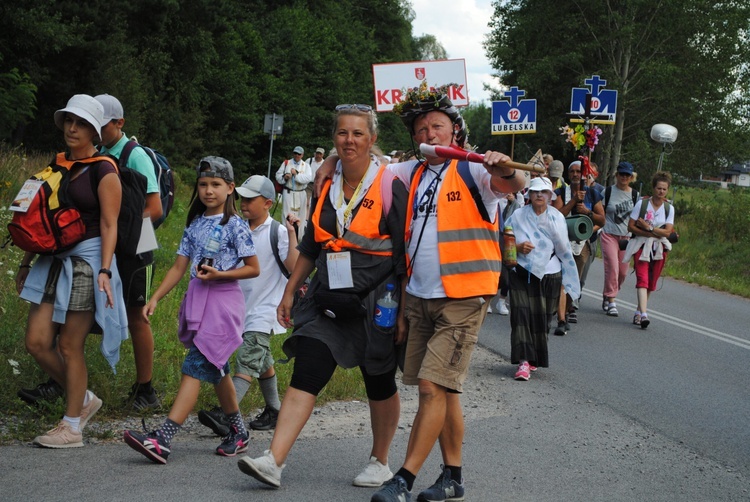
[196,78]
[17,101]
[428,48]
[676,61]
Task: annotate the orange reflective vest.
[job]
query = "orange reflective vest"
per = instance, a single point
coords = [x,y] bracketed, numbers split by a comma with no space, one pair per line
[363,234]
[468,246]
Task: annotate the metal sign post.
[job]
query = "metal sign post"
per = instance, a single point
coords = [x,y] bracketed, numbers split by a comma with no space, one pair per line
[272,125]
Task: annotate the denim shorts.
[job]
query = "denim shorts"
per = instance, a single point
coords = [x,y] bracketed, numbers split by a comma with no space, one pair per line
[197,366]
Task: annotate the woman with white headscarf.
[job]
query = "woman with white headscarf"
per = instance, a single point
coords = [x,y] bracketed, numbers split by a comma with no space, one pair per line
[545,262]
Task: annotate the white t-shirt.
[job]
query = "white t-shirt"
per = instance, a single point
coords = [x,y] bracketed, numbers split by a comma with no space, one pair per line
[425,281]
[314,165]
[263,293]
[655,217]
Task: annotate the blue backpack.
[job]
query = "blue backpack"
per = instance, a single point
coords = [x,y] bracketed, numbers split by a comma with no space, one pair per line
[163,172]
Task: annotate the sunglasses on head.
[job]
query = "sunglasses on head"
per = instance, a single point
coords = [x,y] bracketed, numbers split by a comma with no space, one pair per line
[356,106]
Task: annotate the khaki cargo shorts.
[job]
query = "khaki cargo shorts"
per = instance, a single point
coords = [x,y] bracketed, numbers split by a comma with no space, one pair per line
[442,336]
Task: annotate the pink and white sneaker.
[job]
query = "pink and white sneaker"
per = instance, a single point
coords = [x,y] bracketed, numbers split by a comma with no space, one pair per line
[523,372]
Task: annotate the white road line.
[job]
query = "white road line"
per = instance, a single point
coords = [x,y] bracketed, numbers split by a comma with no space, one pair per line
[697,328]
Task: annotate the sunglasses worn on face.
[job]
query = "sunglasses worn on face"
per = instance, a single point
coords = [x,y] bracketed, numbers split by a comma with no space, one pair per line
[356,106]
[624,174]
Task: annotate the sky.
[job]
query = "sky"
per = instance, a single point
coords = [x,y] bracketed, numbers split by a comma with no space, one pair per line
[460,26]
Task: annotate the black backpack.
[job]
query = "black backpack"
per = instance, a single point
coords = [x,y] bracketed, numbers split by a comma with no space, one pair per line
[163,172]
[132,205]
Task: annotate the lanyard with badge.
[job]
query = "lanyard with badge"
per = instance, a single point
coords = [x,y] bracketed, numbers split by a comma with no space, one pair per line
[424,203]
[340,263]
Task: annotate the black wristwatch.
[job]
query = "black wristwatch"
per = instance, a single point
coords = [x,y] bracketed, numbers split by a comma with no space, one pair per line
[106,271]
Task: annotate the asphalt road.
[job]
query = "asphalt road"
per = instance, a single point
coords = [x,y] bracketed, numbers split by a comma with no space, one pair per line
[622,414]
[687,376]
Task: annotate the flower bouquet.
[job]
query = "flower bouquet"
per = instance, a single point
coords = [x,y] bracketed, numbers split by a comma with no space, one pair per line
[582,138]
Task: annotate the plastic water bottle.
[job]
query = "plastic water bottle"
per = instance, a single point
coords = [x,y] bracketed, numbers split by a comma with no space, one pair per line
[386,309]
[510,256]
[211,248]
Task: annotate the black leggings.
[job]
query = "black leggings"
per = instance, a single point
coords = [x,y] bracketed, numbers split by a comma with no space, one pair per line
[314,366]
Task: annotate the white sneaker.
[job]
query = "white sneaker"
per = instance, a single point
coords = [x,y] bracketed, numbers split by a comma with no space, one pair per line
[612,310]
[489,309]
[264,468]
[373,475]
[503,308]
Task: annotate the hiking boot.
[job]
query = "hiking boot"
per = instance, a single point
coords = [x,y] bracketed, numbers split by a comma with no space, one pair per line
[266,420]
[443,489]
[644,321]
[612,310]
[264,468]
[143,399]
[234,443]
[89,410]
[562,328]
[151,445]
[215,420]
[523,373]
[62,436]
[374,474]
[394,490]
[46,391]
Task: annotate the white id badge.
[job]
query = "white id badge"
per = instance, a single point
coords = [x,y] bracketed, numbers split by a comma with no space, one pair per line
[339,270]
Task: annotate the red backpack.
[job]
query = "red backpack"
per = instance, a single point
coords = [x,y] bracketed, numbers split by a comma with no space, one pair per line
[51,223]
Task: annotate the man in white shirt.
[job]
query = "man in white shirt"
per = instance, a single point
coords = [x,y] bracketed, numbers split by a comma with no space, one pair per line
[454,261]
[295,175]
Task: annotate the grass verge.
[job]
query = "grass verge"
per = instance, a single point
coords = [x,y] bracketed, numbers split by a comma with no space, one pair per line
[18,369]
